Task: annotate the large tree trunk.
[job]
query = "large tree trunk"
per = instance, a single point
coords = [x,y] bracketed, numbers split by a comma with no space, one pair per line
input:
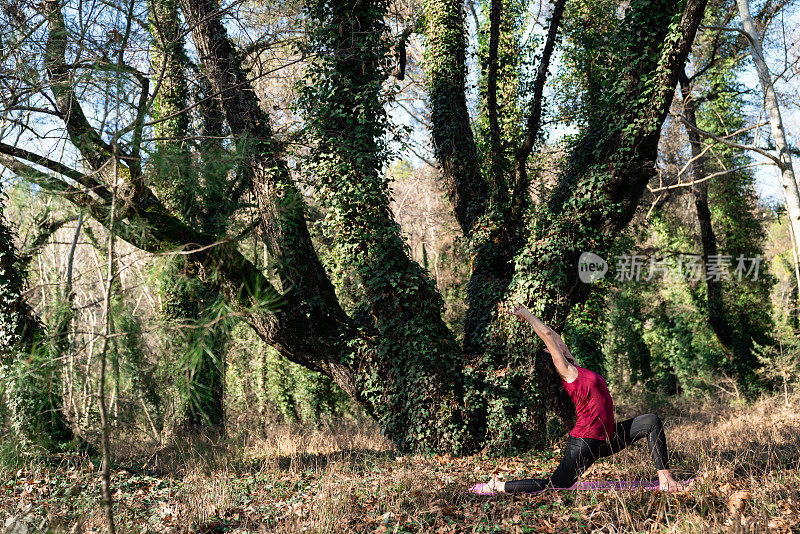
[609,165]
[409,376]
[418,373]
[186,299]
[313,330]
[483,220]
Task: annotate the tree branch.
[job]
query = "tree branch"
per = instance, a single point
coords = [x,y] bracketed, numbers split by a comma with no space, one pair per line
[156,231]
[708,147]
[733,144]
[499,184]
[313,334]
[85,180]
[520,189]
[729,29]
[706,177]
[47,182]
[453,140]
[48,228]
[83,136]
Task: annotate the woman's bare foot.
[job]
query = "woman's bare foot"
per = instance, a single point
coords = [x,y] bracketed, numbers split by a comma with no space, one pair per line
[496,485]
[667,483]
[493,487]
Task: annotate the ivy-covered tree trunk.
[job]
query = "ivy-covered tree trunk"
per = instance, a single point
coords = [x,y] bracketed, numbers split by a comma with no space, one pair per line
[399,360]
[416,379]
[186,298]
[596,198]
[608,166]
[478,203]
[29,372]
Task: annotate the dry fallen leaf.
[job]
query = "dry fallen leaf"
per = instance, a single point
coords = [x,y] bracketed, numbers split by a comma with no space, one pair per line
[737,500]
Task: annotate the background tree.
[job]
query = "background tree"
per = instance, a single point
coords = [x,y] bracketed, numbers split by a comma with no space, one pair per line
[30,372]
[177,176]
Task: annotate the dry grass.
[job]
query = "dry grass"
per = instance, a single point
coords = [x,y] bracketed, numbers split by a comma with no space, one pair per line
[346,478]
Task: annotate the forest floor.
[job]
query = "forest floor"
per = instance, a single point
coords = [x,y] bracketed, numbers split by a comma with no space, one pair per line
[745,460]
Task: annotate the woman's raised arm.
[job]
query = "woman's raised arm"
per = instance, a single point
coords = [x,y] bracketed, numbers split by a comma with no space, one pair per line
[562,358]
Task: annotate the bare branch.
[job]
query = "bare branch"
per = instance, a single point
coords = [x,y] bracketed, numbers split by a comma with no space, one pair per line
[731,143]
[48,228]
[706,177]
[708,147]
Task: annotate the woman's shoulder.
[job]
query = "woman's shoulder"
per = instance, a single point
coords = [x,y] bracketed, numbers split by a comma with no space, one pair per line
[588,373]
[585,376]
[579,378]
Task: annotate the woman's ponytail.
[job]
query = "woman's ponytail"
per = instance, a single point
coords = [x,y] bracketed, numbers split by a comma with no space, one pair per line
[552,390]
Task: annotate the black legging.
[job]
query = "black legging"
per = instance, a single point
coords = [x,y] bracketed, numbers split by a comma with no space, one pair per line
[581,453]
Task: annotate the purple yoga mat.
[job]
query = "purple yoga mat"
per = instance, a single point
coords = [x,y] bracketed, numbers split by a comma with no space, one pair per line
[589,485]
[614,484]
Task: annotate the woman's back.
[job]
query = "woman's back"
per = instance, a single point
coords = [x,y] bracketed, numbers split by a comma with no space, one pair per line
[593,406]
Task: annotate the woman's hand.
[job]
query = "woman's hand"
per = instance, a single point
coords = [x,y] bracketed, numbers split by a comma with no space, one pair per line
[521,312]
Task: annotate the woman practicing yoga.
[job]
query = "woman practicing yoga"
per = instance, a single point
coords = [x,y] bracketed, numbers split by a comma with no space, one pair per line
[594,435]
